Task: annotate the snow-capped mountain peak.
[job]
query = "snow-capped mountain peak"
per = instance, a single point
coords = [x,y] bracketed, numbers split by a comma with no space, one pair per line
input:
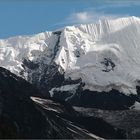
[105,55]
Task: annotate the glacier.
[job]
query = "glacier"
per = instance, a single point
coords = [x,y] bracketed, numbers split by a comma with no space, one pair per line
[104,55]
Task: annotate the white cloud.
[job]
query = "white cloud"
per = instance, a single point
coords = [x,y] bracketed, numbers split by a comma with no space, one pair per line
[96,13]
[84,17]
[89,16]
[81,16]
[93,14]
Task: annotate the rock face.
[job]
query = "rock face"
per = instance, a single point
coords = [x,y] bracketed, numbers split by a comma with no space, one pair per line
[103,57]
[25,116]
[112,100]
[20,117]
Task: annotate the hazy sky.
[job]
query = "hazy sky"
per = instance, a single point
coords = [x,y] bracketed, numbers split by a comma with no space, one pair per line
[20,17]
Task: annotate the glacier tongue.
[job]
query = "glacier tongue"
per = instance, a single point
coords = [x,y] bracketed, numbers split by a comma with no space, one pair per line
[105,55]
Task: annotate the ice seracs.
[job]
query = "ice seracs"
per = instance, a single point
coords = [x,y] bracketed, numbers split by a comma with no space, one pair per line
[105,55]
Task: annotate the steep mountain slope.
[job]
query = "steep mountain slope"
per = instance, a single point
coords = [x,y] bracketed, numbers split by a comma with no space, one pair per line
[92,124]
[126,120]
[101,58]
[25,116]
[20,117]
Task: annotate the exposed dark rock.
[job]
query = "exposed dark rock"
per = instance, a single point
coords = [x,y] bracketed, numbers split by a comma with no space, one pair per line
[8,128]
[108,64]
[57,32]
[30,64]
[20,117]
[112,100]
[101,128]
[51,78]
[127,121]
[77,53]
[69,81]
[57,46]
[92,124]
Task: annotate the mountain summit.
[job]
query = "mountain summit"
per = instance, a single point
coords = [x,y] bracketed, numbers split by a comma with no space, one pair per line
[97,57]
